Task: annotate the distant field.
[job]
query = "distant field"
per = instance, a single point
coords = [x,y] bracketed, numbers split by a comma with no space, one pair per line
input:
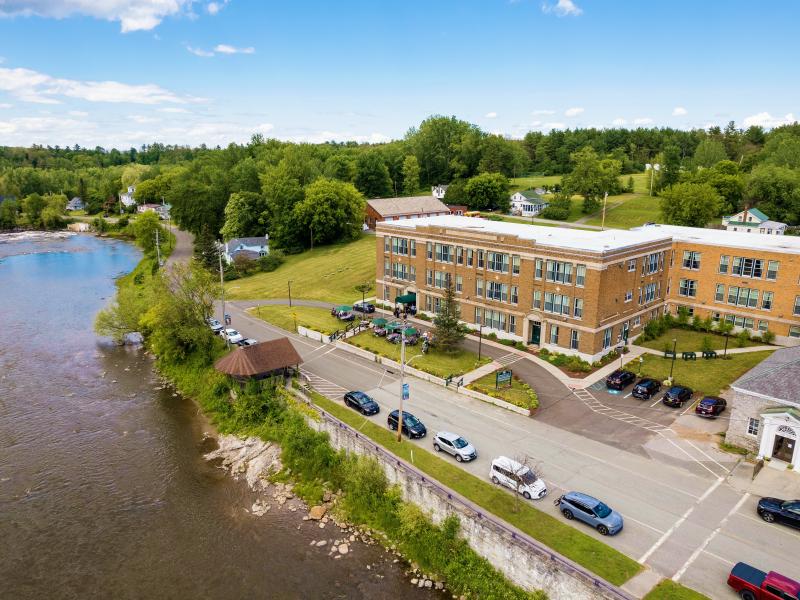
[527,221]
[628,210]
[526,183]
[327,273]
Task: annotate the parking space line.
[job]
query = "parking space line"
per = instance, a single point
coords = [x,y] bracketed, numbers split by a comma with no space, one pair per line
[719,558]
[785,530]
[691,406]
[655,403]
[628,395]
[710,537]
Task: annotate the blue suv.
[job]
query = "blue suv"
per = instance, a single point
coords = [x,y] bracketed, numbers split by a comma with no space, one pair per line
[575,505]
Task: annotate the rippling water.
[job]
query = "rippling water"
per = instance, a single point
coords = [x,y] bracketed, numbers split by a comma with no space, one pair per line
[103,489]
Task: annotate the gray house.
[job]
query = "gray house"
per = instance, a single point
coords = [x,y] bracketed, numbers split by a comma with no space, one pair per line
[75,204]
[765,410]
[251,247]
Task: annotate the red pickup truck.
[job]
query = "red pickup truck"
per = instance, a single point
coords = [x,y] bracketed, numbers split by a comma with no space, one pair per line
[753,584]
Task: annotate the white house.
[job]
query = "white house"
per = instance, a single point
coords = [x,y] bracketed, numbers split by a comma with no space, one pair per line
[527,203]
[752,220]
[75,204]
[765,410]
[251,247]
[162,210]
[127,200]
[438,191]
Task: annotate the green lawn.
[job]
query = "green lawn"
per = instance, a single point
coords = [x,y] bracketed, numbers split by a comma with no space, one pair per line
[519,184]
[670,590]
[318,319]
[593,554]
[517,394]
[327,273]
[692,341]
[527,221]
[628,210]
[434,362]
[706,376]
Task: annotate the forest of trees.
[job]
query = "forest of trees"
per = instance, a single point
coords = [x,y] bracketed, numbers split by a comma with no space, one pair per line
[314,193]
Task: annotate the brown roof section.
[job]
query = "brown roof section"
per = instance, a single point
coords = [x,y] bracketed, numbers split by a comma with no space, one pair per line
[410,205]
[259,359]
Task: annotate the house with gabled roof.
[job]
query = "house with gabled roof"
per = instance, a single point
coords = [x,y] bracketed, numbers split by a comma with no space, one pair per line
[409,207]
[528,203]
[250,247]
[752,220]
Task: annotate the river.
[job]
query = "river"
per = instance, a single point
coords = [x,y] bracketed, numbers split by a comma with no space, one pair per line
[104,492]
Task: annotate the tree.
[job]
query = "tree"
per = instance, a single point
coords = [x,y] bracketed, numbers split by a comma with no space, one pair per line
[363,288]
[782,150]
[708,153]
[499,155]
[331,211]
[670,167]
[447,330]
[592,177]
[776,191]
[246,215]
[727,180]
[340,167]
[9,211]
[558,207]
[487,191]
[205,249]
[52,214]
[690,204]
[121,318]
[282,193]
[444,146]
[455,193]
[372,175]
[410,175]
[32,206]
[144,230]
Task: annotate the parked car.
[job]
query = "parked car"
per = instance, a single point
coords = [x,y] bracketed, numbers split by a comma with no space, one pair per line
[575,505]
[518,477]
[619,379]
[215,325]
[774,510]
[412,426]
[454,444]
[379,331]
[753,584]
[676,396]
[710,406]
[248,342]
[646,388]
[394,338]
[345,316]
[364,307]
[362,403]
[231,335]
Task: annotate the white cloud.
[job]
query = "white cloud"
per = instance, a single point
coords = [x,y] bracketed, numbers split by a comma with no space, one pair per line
[573,112]
[214,7]
[555,125]
[200,52]
[173,109]
[679,111]
[562,8]
[642,121]
[142,119]
[618,122]
[5,105]
[32,86]
[78,113]
[226,49]
[764,119]
[318,137]
[133,15]
[539,112]
[491,115]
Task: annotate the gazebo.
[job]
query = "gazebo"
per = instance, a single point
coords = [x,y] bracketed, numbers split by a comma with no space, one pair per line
[259,361]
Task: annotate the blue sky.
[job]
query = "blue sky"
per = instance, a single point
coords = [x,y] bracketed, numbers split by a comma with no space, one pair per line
[121,73]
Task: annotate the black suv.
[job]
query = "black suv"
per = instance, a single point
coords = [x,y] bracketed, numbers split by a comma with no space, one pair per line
[677,395]
[412,426]
[619,379]
[646,388]
[362,403]
[782,511]
[364,307]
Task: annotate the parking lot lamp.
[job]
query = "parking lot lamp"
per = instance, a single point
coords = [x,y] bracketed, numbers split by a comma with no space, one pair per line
[641,360]
[402,379]
[674,345]
[480,339]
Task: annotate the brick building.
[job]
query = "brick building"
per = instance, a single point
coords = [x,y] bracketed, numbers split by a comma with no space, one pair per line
[583,292]
[409,207]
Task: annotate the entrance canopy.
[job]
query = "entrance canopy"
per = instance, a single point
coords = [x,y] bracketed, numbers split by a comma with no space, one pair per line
[410,298]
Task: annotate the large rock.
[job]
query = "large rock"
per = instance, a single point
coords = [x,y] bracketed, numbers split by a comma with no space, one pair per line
[252,457]
[344,549]
[317,512]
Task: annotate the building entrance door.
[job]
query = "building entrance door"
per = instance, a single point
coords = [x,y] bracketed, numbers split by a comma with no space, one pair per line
[783,449]
[536,332]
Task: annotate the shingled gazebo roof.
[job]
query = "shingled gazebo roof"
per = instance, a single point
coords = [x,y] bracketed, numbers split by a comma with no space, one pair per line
[259,360]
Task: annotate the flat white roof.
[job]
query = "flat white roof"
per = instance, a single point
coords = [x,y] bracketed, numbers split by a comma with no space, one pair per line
[558,237]
[735,239]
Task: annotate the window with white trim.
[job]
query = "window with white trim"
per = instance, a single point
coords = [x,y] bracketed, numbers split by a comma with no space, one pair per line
[459,284]
[747,267]
[554,334]
[574,339]
[719,294]
[512,324]
[753,426]
[688,287]
[577,308]
[537,299]
[724,261]
[580,275]
[515,264]
[537,274]
[794,331]
[429,250]
[763,325]
[796,310]
[631,265]
[514,294]
[766,300]
[559,272]
[741,296]
[628,295]
[607,338]
[691,260]
[470,252]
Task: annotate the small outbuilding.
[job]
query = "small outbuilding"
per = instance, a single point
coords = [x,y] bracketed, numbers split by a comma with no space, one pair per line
[260,361]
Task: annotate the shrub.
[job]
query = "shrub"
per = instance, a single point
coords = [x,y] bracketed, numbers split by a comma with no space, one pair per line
[767,337]
[244,266]
[706,345]
[556,213]
[742,338]
[123,222]
[271,261]
[492,336]
[683,316]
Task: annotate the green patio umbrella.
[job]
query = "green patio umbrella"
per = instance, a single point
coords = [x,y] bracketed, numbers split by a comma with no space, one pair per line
[344,308]
[394,325]
[410,331]
[379,322]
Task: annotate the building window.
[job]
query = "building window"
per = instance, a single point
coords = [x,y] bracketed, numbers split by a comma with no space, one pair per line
[512,324]
[480,259]
[772,269]
[794,331]
[496,291]
[574,339]
[469,257]
[723,263]
[387,269]
[459,284]
[637,320]
[554,334]
[429,250]
[479,287]
[494,319]
[631,265]
[607,338]
[538,269]
[413,245]
[559,272]
[459,255]
[752,426]
[649,293]
[763,325]
[428,277]
[628,295]
[514,294]
[747,267]
[497,261]
[688,288]
[719,295]
[556,303]
[766,300]
[577,310]
[651,262]
[691,260]
[477,315]
[796,310]
[386,244]
[580,275]
[444,253]
[515,265]
[537,299]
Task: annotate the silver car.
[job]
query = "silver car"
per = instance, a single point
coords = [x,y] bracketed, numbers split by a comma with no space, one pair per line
[454,444]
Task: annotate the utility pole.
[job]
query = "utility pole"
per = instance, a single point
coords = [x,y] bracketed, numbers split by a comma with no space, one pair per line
[158,249]
[290,293]
[222,288]
[402,379]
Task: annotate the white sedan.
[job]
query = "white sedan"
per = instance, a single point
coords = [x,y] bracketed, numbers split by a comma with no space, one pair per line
[232,336]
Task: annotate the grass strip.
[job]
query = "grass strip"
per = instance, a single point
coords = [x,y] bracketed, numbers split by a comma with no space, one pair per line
[671,590]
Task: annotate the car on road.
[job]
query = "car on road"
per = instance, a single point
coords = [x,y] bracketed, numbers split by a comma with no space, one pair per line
[412,426]
[248,342]
[231,335]
[215,325]
[364,307]
[362,403]
[754,584]
[677,395]
[575,505]
[710,406]
[520,478]
[646,388]
[454,444]
[619,379]
[775,510]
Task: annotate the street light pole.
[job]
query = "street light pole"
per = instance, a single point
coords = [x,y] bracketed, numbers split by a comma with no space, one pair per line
[402,379]
[726,346]
[480,339]
[672,366]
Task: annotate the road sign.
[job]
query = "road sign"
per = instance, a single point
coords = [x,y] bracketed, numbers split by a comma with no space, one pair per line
[405,391]
[502,377]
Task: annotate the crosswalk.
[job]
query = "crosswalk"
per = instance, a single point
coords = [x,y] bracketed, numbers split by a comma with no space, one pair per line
[596,406]
[323,386]
[508,359]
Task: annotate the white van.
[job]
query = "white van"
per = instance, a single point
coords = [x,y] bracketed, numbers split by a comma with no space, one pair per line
[518,477]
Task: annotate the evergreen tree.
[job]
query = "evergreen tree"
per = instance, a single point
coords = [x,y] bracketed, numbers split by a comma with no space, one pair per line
[205,249]
[447,329]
